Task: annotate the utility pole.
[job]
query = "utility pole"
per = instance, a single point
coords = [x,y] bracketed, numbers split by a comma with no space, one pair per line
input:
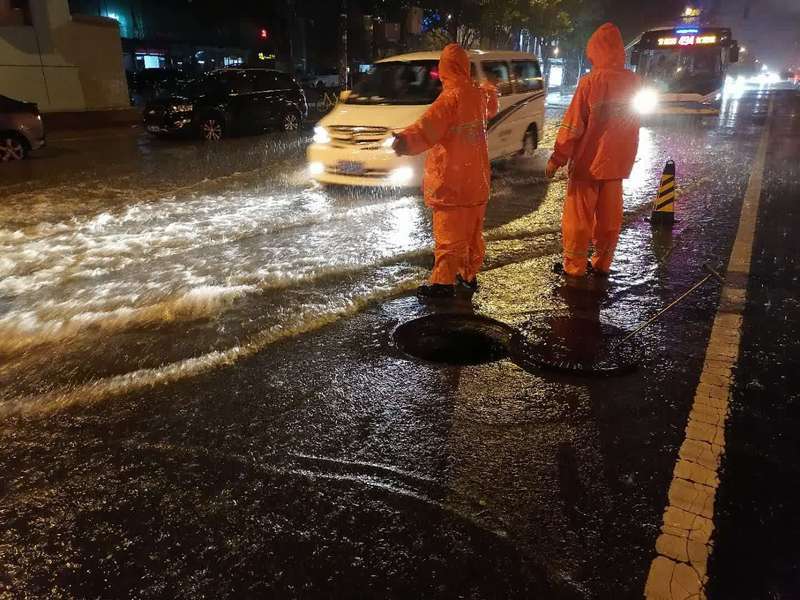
[343,61]
[291,28]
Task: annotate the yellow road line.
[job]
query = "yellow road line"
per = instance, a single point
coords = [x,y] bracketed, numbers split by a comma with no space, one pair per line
[679,571]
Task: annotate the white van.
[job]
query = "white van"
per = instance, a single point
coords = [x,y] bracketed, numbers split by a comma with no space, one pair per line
[352,144]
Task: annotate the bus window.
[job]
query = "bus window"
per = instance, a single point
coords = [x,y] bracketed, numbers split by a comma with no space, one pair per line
[497,74]
[696,70]
[527,76]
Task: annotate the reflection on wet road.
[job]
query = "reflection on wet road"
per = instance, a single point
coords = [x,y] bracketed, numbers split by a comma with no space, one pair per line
[172,296]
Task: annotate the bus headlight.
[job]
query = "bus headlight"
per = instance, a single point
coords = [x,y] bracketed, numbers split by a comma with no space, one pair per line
[401,176]
[321,135]
[316,168]
[645,101]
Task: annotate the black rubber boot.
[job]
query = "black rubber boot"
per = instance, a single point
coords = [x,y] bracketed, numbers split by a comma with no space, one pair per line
[595,272]
[435,290]
[471,285]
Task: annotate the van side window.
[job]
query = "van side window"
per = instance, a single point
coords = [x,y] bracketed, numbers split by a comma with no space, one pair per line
[497,73]
[527,76]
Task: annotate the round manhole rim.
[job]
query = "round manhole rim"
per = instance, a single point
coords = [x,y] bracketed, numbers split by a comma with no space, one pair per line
[520,346]
[502,336]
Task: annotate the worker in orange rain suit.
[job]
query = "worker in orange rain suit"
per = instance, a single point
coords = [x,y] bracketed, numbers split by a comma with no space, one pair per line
[599,137]
[456,181]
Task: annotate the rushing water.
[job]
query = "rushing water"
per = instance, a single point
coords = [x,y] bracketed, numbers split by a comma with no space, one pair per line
[118,279]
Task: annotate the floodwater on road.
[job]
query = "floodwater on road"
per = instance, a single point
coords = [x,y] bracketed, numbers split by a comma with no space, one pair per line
[327,463]
[178,257]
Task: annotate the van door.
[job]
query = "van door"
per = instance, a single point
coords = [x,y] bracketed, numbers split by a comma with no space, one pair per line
[498,73]
[529,101]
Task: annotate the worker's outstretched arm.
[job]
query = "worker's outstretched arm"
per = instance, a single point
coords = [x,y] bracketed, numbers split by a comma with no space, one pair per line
[429,129]
[573,126]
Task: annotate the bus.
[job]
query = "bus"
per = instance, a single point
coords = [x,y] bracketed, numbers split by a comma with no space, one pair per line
[683,68]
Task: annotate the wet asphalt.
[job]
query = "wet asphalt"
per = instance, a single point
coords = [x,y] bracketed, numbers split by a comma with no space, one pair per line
[254,451]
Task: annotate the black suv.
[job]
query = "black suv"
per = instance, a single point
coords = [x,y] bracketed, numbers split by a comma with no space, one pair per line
[229,101]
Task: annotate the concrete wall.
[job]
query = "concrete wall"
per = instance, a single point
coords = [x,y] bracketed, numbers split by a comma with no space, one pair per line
[63,64]
[94,45]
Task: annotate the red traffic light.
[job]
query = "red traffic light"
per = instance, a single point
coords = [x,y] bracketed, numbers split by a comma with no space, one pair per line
[264,34]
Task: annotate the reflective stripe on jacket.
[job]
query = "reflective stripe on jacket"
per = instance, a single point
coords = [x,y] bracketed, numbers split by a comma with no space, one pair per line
[454,130]
[599,135]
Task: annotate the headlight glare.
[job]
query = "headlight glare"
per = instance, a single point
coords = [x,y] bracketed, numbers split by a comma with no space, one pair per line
[401,176]
[645,101]
[321,135]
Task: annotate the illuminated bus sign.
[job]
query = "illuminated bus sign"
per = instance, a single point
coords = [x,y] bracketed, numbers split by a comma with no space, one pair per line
[687,40]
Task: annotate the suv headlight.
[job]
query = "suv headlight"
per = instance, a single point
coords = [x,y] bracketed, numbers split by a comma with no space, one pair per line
[321,135]
[182,108]
[645,101]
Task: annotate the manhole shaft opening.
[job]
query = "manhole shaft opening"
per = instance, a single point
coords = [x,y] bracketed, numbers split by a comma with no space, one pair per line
[454,339]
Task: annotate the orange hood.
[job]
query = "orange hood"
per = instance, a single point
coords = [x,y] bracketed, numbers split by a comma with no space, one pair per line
[605,48]
[454,66]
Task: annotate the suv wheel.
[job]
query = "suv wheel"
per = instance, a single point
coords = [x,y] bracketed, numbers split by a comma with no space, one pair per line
[291,121]
[211,129]
[12,148]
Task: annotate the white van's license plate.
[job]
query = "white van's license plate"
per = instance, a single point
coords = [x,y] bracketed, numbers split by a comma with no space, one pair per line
[349,167]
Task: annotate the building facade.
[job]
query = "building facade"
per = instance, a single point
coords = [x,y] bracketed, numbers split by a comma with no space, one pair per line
[186,36]
[63,62]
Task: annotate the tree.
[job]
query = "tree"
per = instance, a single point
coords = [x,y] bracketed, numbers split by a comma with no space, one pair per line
[499,23]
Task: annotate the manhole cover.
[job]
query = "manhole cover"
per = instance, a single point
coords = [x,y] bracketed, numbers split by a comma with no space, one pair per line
[454,339]
[574,345]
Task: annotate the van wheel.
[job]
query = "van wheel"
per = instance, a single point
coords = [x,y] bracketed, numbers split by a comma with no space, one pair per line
[530,142]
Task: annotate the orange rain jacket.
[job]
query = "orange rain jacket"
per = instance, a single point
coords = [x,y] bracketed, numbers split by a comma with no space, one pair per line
[454,129]
[600,131]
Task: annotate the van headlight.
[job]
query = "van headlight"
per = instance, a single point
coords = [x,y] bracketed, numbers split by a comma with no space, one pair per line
[401,176]
[387,143]
[645,101]
[321,135]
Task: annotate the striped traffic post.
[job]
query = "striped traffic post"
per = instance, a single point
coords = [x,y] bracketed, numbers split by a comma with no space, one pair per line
[664,204]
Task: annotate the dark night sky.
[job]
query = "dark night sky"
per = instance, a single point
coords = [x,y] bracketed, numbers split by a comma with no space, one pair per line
[771,28]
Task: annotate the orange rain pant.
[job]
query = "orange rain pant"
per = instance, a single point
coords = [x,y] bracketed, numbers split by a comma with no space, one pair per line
[458,233]
[592,212]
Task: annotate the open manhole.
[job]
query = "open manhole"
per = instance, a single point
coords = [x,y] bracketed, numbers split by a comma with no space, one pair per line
[454,339]
[574,345]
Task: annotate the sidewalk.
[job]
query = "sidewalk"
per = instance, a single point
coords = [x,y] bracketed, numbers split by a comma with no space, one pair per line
[91,119]
[560,97]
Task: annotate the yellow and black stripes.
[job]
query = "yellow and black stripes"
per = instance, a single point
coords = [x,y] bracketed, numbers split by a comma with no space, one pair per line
[664,204]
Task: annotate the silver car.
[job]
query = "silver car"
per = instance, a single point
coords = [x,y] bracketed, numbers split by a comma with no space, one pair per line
[21,129]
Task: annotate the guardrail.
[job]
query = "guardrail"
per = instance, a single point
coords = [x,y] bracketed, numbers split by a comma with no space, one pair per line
[322,100]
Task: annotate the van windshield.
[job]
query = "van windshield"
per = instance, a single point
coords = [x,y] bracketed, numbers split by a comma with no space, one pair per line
[406,82]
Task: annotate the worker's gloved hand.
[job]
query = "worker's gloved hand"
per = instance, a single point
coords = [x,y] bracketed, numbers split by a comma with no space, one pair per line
[399,145]
[550,170]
